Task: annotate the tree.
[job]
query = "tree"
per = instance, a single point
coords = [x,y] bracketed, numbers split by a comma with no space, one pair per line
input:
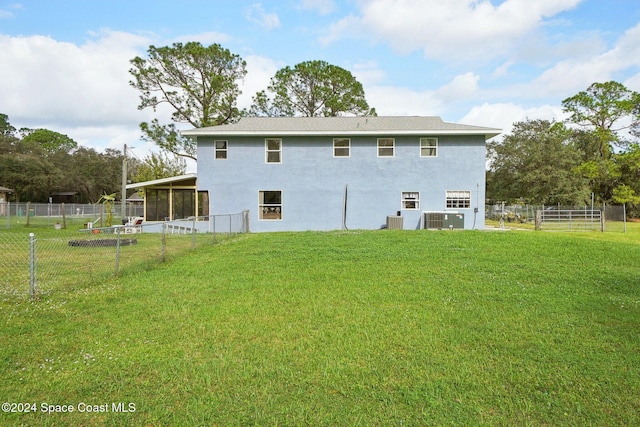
[603,111]
[311,89]
[93,174]
[52,142]
[602,108]
[536,162]
[35,163]
[6,130]
[628,189]
[199,83]
[25,169]
[157,166]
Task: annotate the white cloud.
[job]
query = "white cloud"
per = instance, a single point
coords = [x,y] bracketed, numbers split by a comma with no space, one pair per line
[367,73]
[79,90]
[633,82]
[60,82]
[324,7]
[504,115]
[463,86]
[256,14]
[397,101]
[6,14]
[452,29]
[400,101]
[575,74]
[259,72]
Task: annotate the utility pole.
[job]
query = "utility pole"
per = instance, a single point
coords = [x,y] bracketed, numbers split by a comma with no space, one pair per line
[123,201]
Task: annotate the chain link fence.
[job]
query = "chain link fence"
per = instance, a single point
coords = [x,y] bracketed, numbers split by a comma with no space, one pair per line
[614,217]
[63,214]
[44,261]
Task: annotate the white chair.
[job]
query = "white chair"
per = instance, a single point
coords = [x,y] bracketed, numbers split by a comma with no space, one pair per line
[134,225]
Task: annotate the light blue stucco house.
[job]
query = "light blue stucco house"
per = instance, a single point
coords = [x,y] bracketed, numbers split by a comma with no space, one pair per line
[329,173]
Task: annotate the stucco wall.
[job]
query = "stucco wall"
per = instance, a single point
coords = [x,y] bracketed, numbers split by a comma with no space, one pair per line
[313,182]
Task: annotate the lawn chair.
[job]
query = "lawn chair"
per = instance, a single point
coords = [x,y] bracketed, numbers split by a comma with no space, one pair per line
[134,225]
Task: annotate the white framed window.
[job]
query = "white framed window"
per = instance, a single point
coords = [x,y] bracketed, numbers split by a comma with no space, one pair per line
[410,200]
[220,149]
[386,147]
[428,147]
[341,147]
[273,150]
[270,205]
[458,199]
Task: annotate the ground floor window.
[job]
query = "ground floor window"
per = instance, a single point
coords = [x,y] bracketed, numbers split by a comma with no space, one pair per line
[410,200]
[270,205]
[203,203]
[183,204]
[458,199]
[157,204]
[159,208]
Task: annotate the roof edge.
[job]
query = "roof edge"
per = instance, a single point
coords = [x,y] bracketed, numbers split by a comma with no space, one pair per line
[162,181]
[487,132]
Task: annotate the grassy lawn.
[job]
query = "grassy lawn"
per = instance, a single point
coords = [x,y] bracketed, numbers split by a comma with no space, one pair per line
[343,328]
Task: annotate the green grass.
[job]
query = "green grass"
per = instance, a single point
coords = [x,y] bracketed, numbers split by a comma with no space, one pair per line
[344,328]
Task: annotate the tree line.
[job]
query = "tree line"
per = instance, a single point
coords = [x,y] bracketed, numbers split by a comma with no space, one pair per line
[593,154]
[37,163]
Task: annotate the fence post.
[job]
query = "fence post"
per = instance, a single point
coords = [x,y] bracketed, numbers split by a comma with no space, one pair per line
[193,234]
[214,228]
[117,250]
[602,219]
[570,219]
[538,220]
[163,242]
[32,265]
[64,217]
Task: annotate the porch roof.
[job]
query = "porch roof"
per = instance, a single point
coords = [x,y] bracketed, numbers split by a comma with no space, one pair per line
[162,181]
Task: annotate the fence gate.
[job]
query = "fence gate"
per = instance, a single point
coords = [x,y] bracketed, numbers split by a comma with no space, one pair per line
[570,219]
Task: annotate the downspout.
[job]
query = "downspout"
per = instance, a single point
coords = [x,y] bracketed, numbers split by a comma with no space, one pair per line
[475,210]
[344,209]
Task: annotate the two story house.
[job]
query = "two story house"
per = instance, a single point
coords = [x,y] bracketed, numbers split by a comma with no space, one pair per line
[328,173]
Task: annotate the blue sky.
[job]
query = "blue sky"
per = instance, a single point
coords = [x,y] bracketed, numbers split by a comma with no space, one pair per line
[65,62]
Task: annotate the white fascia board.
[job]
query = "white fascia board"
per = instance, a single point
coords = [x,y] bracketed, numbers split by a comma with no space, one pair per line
[487,133]
[162,181]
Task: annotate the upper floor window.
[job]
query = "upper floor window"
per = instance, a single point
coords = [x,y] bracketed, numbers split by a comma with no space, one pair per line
[386,147]
[341,147]
[458,199]
[273,149]
[428,147]
[221,150]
